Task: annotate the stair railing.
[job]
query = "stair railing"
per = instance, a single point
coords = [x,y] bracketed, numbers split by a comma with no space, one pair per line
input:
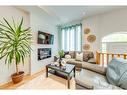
[104,58]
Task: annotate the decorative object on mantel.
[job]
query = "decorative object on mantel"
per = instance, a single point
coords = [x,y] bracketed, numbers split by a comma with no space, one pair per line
[91,38]
[86,30]
[61,55]
[86,47]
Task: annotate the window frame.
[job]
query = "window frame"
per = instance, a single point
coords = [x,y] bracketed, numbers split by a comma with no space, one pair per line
[75,37]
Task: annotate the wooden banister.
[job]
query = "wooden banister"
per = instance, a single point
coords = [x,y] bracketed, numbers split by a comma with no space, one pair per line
[118,55]
[97,57]
[107,58]
[125,56]
[103,57]
[112,56]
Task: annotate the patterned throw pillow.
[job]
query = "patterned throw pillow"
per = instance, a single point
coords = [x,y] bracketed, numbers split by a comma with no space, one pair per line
[79,56]
[87,55]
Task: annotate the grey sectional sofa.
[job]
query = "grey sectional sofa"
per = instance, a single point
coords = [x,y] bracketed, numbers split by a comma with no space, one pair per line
[91,76]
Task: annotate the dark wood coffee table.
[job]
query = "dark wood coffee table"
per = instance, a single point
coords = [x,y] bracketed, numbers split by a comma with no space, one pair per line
[64,72]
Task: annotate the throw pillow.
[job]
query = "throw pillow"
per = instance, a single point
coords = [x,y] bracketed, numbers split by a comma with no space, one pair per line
[65,53]
[85,57]
[72,53]
[91,55]
[67,56]
[79,57]
[117,72]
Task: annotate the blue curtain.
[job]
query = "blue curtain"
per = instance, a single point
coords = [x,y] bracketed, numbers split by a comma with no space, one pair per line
[70,37]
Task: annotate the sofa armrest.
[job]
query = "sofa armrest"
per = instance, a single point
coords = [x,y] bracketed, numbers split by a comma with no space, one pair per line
[94,67]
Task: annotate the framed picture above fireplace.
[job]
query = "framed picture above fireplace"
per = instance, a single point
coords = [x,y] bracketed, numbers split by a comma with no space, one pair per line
[44,53]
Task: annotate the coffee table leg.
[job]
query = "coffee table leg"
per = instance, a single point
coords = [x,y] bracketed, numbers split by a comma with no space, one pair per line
[68,81]
[74,72]
[46,71]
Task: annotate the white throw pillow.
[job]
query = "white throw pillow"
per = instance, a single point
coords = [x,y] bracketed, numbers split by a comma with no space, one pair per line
[67,56]
[79,57]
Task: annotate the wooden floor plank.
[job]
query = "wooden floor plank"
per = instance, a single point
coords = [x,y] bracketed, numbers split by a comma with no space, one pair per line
[39,81]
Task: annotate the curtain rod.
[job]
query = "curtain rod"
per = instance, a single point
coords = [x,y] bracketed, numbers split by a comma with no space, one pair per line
[71,25]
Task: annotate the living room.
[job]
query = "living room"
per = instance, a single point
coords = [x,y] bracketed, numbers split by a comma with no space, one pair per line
[67,29]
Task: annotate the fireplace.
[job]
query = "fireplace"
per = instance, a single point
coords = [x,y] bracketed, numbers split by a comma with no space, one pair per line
[44,53]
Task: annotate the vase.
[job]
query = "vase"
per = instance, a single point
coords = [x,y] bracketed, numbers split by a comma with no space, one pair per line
[60,60]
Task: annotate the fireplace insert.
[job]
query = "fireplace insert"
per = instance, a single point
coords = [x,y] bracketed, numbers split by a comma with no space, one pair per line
[44,53]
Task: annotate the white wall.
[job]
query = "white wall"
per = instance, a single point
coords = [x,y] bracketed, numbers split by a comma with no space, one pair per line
[104,24]
[43,23]
[9,12]
[37,21]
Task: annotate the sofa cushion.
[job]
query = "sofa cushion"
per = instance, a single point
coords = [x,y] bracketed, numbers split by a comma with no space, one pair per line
[84,82]
[79,56]
[90,79]
[68,59]
[117,72]
[76,63]
[94,67]
[91,60]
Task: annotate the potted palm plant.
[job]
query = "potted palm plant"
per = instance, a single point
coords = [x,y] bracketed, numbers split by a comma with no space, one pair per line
[14,45]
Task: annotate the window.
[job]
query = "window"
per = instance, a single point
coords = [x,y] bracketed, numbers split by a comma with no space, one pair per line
[119,37]
[104,48]
[71,38]
[116,37]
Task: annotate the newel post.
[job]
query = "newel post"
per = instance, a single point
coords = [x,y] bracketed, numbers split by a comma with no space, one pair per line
[97,57]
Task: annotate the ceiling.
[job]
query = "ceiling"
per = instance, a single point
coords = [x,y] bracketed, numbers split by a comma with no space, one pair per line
[72,13]
[65,14]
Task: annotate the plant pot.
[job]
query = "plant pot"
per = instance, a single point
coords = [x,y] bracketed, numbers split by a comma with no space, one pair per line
[16,78]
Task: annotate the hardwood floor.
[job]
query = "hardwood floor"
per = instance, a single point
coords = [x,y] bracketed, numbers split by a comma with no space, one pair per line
[39,81]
